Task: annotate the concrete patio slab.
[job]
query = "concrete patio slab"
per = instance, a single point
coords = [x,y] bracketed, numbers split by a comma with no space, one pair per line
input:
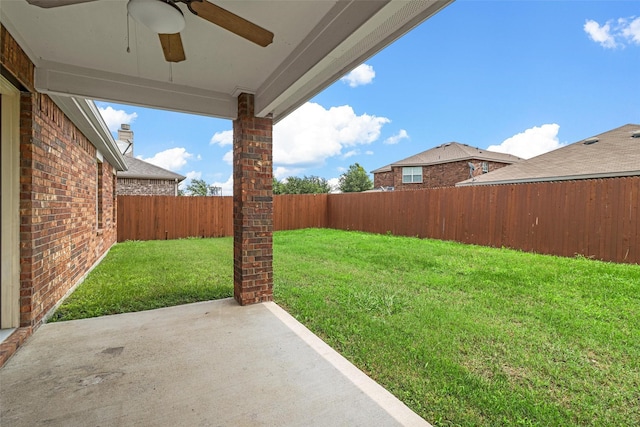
[205,364]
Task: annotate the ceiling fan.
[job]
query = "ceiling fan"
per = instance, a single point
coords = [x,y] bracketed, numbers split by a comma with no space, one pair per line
[166,18]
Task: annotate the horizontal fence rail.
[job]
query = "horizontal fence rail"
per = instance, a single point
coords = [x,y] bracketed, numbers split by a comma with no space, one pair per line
[593,218]
[168,217]
[171,217]
[296,211]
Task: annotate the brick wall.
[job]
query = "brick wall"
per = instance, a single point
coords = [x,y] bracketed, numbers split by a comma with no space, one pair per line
[383,179]
[252,205]
[61,236]
[59,200]
[146,187]
[15,60]
[442,175]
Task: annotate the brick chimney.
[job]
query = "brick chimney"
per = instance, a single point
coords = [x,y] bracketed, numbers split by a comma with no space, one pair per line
[125,134]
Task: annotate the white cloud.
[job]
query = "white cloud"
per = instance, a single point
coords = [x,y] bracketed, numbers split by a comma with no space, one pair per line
[614,34]
[228,157]
[530,143]
[312,134]
[600,34]
[394,139]
[193,175]
[335,184]
[114,118]
[632,30]
[172,159]
[222,138]
[369,153]
[350,153]
[227,186]
[363,74]
[281,172]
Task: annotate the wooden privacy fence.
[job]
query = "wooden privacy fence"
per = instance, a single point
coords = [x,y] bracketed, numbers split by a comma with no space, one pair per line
[296,211]
[171,217]
[594,218]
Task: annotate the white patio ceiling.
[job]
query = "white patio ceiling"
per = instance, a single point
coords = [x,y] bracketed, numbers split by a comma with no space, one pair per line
[81,50]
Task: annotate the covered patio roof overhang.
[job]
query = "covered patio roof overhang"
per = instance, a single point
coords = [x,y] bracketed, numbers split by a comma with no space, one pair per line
[95,50]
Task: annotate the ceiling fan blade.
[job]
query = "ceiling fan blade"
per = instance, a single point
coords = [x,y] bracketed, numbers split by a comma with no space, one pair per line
[172,47]
[55,3]
[232,22]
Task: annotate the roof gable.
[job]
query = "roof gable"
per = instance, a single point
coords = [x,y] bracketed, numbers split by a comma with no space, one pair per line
[451,152]
[140,169]
[609,154]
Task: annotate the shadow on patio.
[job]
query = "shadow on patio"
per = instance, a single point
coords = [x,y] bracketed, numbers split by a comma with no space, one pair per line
[211,363]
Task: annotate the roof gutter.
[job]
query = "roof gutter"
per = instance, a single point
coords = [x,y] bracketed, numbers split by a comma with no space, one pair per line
[85,115]
[551,179]
[179,178]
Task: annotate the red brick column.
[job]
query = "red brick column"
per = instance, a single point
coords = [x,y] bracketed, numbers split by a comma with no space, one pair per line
[252,205]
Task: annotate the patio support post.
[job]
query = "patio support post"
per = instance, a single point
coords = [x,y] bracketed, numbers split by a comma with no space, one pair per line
[252,205]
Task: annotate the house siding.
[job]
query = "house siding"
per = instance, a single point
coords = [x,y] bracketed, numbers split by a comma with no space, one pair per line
[436,176]
[67,213]
[146,187]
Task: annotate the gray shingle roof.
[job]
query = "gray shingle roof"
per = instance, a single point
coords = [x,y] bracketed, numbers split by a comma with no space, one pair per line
[450,152]
[139,169]
[616,153]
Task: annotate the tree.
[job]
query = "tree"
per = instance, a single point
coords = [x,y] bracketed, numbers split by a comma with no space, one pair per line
[278,187]
[355,179]
[197,187]
[307,185]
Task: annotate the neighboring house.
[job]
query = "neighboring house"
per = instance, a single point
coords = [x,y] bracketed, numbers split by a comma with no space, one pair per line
[441,166]
[615,153]
[143,178]
[59,164]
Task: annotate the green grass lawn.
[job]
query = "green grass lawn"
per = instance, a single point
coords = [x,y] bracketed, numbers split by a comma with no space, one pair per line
[137,276]
[464,335]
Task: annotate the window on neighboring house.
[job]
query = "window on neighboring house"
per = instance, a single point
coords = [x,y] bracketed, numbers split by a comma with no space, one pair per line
[485,167]
[99,193]
[411,174]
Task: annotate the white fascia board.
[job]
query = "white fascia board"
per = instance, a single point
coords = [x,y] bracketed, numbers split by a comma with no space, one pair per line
[85,115]
[68,80]
[311,56]
[352,33]
[603,175]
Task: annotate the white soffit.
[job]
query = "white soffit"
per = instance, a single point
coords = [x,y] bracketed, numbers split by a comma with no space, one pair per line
[81,50]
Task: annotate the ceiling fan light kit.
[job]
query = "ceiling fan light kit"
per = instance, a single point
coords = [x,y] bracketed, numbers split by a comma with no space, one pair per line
[166,19]
[161,16]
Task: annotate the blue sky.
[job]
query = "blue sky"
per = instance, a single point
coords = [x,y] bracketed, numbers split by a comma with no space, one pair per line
[522,77]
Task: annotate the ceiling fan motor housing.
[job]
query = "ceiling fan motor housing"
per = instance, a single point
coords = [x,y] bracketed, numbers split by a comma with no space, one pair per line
[161,16]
